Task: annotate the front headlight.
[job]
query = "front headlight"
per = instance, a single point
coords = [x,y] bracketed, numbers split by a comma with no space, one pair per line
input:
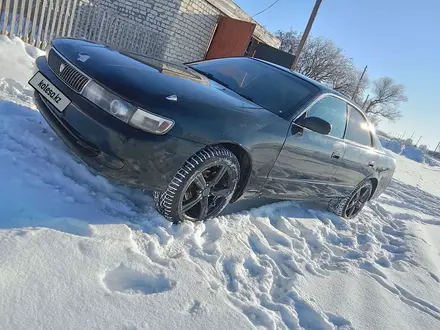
[150,122]
[108,101]
[126,112]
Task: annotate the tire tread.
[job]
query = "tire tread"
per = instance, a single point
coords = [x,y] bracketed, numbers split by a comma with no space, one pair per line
[337,206]
[164,201]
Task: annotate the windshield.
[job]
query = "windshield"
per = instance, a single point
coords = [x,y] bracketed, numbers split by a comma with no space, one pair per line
[274,89]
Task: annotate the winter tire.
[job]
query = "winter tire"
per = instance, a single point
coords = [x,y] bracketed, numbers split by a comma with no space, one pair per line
[202,188]
[350,206]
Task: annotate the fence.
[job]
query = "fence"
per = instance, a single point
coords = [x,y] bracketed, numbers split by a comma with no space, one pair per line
[37,22]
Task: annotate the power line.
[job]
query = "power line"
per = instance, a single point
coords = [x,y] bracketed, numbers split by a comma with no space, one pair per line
[266,8]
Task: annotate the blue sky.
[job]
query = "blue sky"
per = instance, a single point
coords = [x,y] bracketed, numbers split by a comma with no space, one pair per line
[395,38]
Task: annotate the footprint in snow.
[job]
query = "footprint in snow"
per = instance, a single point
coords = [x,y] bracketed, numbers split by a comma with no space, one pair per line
[197,308]
[400,265]
[384,262]
[339,322]
[435,277]
[130,281]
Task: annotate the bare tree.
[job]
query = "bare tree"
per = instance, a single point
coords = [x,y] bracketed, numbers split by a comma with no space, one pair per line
[374,119]
[423,147]
[345,82]
[387,97]
[323,61]
[409,142]
[289,40]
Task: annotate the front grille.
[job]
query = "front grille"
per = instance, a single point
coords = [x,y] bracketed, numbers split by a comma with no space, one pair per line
[66,72]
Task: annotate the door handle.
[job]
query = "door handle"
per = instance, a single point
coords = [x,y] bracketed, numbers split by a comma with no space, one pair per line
[336,155]
[371,164]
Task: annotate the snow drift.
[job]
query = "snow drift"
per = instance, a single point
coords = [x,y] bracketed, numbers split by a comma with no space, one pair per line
[79,252]
[409,152]
[393,145]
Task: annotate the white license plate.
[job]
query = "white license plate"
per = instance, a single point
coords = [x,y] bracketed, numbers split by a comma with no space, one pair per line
[43,86]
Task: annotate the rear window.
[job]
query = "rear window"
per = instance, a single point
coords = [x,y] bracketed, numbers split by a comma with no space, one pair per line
[274,89]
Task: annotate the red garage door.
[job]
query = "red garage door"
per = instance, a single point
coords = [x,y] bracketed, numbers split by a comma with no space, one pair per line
[231,38]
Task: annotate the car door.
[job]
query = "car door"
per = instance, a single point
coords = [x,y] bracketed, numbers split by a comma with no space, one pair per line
[308,160]
[360,157]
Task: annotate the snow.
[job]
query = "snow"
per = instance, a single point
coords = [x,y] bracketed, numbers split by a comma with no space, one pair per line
[392,145]
[80,252]
[409,152]
[413,153]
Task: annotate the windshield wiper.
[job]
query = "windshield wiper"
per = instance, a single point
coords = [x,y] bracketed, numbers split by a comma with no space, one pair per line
[212,77]
[246,97]
[218,81]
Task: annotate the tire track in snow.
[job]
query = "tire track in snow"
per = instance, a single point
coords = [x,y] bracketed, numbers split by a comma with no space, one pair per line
[337,245]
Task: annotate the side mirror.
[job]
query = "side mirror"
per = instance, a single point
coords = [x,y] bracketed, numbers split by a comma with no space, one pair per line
[316,124]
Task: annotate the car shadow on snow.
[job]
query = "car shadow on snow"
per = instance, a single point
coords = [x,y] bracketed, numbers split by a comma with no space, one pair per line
[257,204]
[248,204]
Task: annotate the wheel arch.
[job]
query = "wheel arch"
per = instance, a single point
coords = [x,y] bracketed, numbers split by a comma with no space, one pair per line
[245,161]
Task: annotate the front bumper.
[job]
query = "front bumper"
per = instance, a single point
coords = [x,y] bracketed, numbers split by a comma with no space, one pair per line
[111,147]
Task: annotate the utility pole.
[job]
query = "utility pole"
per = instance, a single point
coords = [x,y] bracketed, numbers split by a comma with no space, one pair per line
[306,33]
[359,83]
[365,102]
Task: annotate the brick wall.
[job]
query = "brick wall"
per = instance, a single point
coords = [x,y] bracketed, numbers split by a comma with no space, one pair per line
[191,31]
[184,27]
[176,30]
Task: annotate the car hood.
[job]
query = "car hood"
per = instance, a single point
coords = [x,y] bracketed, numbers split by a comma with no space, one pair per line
[148,82]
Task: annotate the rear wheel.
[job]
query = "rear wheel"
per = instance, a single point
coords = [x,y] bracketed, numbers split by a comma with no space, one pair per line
[202,187]
[352,205]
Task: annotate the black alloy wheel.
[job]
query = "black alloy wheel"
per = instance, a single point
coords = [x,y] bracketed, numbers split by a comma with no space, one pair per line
[206,193]
[357,202]
[350,206]
[202,188]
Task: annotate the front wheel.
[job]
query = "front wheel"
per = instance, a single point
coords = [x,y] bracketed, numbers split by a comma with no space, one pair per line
[202,187]
[352,205]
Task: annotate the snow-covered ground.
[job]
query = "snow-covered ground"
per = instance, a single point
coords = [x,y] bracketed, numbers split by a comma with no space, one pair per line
[409,152]
[78,252]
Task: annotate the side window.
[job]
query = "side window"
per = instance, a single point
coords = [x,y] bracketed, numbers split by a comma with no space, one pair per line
[332,110]
[358,129]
